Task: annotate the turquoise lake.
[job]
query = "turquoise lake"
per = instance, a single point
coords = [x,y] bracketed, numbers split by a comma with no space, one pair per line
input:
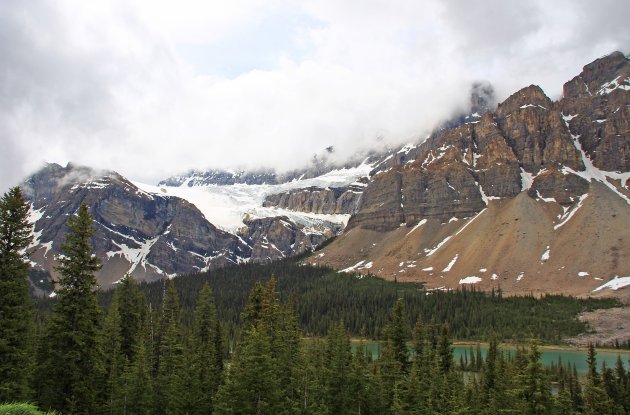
[549,356]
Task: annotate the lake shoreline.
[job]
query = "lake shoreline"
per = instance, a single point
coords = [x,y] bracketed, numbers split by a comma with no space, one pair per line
[508,345]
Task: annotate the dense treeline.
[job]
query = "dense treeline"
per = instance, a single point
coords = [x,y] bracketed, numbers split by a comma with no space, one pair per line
[168,349]
[362,303]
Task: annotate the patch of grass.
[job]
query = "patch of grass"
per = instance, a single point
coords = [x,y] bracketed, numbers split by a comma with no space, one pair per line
[22,409]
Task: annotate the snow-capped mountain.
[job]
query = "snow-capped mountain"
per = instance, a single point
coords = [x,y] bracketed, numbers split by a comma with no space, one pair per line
[159,231]
[529,195]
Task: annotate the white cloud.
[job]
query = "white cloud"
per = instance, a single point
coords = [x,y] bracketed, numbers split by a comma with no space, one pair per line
[141,87]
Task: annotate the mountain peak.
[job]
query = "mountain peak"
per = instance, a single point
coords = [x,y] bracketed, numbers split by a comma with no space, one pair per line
[600,77]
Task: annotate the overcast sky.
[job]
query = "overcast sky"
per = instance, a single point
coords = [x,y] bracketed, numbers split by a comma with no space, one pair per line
[150,88]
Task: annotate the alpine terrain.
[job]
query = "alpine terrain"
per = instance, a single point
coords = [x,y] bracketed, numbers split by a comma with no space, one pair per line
[529,195]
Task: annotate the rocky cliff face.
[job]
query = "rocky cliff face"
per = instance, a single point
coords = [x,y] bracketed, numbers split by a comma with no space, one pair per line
[329,201]
[277,237]
[222,178]
[595,108]
[547,155]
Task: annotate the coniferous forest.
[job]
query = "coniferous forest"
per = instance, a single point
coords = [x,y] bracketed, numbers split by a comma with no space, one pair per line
[272,339]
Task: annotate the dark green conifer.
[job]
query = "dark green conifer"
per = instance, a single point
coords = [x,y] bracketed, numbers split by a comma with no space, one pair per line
[252,386]
[73,366]
[169,396]
[596,400]
[132,308]
[115,363]
[206,369]
[15,303]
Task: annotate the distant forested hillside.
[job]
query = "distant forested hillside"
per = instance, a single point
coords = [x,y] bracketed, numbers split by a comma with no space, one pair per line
[324,297]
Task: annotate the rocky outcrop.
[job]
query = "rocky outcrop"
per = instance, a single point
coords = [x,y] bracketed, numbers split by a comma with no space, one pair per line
[222,178]
[536,133]
[595,107]
[277,237]
[553,185]
[318,200]
[453,177]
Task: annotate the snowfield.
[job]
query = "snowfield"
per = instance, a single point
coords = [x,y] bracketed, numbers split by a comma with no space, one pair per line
[227,206]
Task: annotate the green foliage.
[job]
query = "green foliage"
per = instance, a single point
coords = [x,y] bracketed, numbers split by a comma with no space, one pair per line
[169,357]
[22,409]
[205,368]
[15,303]
[71,354]
[324,297]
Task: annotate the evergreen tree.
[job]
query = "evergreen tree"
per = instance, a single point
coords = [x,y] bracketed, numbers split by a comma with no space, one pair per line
[138,381]
[596,400]
[287,353]
[311,380]
[536,387]
[72,365]
[15,303]
[338,361]
[114,361]
[132,308]
[206,370]
[362,385]
[251,386]
[398,333]
[445,350]
[169,395]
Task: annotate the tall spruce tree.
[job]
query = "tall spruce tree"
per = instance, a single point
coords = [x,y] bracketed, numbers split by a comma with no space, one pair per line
[338,363]
[168,393]
[138,381]
[132,307]
[72,365]
[15,303]
[206,371]
[253,382]
[114,362]
[596,400]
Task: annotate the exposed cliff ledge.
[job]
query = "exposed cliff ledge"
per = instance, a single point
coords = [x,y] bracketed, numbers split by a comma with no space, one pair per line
[343,200]
[277,237]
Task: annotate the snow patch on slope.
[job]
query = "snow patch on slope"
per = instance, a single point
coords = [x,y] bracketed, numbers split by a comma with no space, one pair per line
[470,280]
[569,213]
[450,264]
[527,179]
[615,284]
[591,172]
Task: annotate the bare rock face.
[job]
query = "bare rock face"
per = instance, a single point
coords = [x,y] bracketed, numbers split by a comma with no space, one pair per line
[277,237]
[595,107]
[317,200]
[562,188]
[536,132]
[381,206]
